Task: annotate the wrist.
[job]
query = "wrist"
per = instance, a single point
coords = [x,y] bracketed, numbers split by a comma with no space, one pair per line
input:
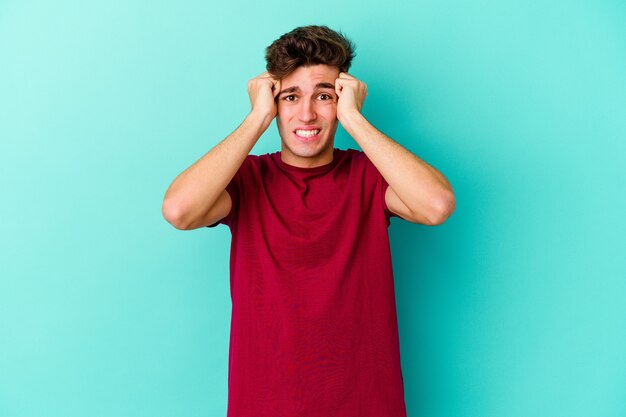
[350,117]
[262,118]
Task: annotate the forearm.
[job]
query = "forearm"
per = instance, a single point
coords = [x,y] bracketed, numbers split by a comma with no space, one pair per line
[196,189]
[419,186]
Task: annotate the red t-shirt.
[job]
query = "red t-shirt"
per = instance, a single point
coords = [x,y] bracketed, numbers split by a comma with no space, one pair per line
[313,328]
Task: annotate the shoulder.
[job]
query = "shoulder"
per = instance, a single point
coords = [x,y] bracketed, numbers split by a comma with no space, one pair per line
[355,155]
[253,163]
[350,153]
[351,156]
[266,159]
[358,158]
[255,159]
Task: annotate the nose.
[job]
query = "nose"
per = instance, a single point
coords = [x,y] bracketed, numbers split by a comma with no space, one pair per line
[307,110]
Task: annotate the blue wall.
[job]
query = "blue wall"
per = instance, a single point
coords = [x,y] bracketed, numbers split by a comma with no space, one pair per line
[514,307]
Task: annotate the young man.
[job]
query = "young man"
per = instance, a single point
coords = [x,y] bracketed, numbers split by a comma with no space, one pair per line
[314,329]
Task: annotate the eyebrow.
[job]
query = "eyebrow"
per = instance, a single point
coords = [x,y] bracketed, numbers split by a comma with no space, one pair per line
[318,85]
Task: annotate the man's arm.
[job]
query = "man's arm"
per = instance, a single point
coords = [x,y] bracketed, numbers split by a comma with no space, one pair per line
[198,197]
[417,192]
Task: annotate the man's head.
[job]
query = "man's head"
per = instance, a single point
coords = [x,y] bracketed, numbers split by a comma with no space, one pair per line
[307,60]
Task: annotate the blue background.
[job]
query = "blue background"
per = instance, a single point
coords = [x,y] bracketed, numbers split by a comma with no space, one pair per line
[514,307]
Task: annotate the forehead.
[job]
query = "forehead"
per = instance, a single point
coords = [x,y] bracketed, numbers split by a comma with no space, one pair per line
[309,76]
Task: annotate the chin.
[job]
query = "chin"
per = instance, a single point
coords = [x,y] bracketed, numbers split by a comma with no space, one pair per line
[303,151]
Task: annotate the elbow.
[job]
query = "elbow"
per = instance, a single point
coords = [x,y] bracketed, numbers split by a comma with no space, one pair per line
[443,209]
[173,214]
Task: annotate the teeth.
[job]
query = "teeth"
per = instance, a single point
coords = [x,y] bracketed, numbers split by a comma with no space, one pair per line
[307,133]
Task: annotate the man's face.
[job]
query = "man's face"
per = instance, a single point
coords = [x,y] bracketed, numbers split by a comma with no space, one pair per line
[307,115]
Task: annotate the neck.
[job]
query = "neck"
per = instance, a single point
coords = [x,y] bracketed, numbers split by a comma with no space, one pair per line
[307,162]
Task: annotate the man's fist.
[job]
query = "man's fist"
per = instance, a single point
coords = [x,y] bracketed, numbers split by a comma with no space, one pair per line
[262,90]
[351,93]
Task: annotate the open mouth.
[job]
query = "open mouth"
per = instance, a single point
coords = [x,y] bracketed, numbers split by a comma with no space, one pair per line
[307,135]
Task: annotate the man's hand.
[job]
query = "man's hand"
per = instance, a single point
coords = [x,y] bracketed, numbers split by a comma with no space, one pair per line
[351,92]
[262,90]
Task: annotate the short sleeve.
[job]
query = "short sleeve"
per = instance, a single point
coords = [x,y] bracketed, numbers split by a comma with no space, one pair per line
[233,189]
[381,189]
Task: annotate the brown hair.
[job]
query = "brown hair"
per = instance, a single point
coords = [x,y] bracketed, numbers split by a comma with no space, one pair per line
[309,45]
